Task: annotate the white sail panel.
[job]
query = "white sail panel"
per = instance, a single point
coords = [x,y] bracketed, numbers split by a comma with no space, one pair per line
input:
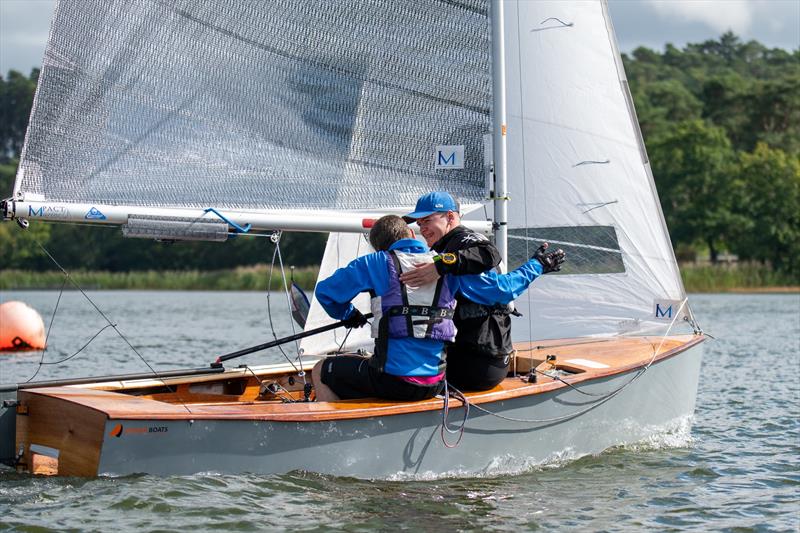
[578,177]
[340,249]
[258,104]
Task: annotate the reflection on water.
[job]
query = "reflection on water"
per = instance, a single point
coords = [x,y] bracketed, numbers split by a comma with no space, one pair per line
[737,468]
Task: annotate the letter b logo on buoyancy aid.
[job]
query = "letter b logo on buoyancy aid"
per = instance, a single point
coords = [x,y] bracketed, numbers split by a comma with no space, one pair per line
[424,312]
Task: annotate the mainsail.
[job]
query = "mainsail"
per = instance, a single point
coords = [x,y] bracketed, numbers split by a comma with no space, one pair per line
[258,105]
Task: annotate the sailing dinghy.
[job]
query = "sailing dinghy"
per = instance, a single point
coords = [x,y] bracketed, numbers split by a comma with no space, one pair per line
[205,119]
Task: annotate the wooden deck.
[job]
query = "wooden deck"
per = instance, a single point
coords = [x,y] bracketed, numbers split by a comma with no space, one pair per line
[585,361]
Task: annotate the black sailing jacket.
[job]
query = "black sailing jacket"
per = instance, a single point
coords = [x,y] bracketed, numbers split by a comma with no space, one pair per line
[481,329]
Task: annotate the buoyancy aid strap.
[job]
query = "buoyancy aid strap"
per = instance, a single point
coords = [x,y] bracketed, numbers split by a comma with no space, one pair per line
[436,295]
[403,293]
[467,310]
[439,313]
[378,359]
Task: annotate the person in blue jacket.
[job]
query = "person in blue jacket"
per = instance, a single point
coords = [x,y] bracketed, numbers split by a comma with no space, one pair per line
[410,324]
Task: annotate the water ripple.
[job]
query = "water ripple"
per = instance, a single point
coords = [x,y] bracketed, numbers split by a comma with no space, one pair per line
[736,469]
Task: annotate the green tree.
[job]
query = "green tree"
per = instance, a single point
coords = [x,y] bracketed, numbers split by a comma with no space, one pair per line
[726,103]
[774,113]
[18,247]
[691,164]
[104,248]
[769,202]
[16,100]
[661,103]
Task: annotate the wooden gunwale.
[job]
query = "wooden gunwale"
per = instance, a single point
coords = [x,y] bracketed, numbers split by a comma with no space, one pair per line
[230,373]
[119,406]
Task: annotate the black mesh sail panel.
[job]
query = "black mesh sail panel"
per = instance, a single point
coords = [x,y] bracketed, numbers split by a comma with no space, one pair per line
[590,249]
[261,104]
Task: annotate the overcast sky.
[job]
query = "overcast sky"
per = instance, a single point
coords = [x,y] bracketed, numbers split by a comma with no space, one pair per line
[24,25]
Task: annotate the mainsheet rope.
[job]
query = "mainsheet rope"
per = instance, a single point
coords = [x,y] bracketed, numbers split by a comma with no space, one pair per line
[602,398]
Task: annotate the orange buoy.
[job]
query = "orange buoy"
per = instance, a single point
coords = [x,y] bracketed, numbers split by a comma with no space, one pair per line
[21,327]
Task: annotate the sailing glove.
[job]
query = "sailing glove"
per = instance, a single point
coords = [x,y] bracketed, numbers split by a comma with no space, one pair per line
[355,320]
[550,261]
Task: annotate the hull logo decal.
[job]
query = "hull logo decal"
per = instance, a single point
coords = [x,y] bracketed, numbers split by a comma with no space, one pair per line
[119,430]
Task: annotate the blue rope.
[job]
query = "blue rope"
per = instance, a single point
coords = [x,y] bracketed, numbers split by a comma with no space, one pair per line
[236,227]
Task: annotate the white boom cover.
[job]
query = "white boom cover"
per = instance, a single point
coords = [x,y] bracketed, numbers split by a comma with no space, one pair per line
[339,251]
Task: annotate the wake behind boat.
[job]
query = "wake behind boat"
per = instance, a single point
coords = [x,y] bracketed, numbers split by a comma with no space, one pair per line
[208,120]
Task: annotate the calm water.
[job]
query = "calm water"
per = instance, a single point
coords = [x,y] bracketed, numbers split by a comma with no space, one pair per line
[738,468]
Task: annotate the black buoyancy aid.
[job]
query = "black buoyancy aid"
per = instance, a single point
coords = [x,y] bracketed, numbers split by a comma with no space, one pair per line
[481,329]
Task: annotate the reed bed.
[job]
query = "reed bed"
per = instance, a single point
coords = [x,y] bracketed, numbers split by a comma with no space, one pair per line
[696,278]
[736,277]
[252,278]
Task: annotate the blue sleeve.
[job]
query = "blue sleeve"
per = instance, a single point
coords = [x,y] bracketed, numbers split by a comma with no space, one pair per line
[365,273]
[492,288]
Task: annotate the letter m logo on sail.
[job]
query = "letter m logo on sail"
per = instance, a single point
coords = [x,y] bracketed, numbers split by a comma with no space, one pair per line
[450,156]
[666,309]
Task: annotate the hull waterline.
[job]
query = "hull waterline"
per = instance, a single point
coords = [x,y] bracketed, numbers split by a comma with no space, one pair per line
[382,447]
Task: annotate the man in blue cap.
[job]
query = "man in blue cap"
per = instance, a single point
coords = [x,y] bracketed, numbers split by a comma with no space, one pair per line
[480,356]
[463,251]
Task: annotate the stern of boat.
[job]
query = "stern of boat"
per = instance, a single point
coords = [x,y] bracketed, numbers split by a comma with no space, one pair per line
[54,436]
[8,415]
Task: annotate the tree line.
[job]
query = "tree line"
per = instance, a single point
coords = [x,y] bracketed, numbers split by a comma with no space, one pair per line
[721,122]
[720,119]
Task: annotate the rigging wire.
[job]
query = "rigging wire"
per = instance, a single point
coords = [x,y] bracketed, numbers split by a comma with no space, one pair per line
[528,252]
[68,277]
[260,382]
[288,294]
[80,349]
[49,328]
[275,238]
[341,346]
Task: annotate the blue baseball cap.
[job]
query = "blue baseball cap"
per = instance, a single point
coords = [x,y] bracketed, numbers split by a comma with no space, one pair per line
[433,202]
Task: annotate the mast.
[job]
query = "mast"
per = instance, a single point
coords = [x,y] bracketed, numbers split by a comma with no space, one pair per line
[499,131]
